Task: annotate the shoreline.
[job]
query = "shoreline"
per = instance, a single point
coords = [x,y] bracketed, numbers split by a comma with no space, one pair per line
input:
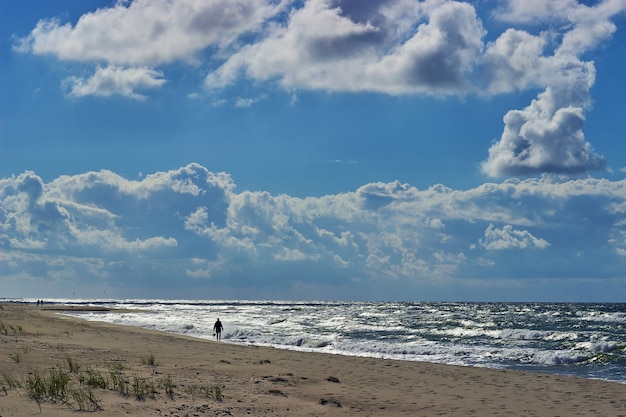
[551,361]
[253,380]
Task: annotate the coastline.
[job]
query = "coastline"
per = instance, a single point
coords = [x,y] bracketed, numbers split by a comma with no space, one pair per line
[219,379]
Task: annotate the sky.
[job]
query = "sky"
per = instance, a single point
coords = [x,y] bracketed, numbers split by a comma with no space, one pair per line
[406,150]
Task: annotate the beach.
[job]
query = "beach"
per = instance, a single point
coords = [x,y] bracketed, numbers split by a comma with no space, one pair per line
[149,373]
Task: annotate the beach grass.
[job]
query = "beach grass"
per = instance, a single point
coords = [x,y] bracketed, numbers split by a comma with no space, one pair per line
[77,389]
[85,399]
[95,379]
[168,386]
[72,364]
[7,329]
[149,360]
[9,382]
[69,385]
[199,391]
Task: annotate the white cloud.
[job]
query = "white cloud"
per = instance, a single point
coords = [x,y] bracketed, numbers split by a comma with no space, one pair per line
[115,80]
[514,61]
[191,222]
[133,38]
[532,11]
[396,47]
[323,46]
[148,32]
[509,238]
[293,255]
[200,268]
[544,137]
[547,135]
[92,210]
[249,101]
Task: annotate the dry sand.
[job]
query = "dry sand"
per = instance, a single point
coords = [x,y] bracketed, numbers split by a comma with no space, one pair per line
[259,381]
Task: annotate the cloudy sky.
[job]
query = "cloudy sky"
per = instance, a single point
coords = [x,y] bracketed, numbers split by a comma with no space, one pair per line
[320,149]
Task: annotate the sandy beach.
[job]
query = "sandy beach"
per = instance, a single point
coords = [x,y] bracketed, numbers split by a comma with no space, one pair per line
[114,370]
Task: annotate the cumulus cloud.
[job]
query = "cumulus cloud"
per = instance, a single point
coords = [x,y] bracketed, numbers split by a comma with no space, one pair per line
[115,80]
[324,46]
[134,37]
[147,32]
[190,222]
[546,136]
[531,11]
[396,47]
[514,61]
[509,238]
[94,210]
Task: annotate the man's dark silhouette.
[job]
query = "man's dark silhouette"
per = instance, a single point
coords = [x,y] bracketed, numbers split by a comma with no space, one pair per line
[217,328]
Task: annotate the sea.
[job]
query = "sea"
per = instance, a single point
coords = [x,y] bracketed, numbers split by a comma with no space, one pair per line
[585,340]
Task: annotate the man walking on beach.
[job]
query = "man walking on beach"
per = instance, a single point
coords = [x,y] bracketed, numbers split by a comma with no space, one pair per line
[217,328]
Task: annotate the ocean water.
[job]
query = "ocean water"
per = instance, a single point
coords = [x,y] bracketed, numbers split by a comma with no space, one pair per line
[576,339]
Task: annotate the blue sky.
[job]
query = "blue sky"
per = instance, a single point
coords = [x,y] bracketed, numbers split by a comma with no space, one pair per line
[325,149]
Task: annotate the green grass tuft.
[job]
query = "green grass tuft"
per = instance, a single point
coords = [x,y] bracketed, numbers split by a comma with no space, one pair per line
[72,365]
[149,360]
[168,386]
[9,381]
[85,399]
[95,380]
[140,388]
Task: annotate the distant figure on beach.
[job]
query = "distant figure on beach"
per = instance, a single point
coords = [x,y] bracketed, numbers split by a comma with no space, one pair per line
[217,328]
